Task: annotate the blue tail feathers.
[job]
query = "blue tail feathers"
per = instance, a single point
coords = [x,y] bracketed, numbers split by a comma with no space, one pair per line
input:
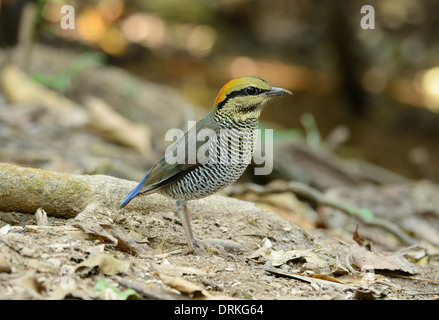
[134,192]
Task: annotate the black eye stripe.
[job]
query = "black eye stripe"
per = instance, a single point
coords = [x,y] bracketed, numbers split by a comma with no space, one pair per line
[242,92]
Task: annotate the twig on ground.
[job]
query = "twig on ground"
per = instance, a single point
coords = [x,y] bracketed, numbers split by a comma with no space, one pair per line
[315,195]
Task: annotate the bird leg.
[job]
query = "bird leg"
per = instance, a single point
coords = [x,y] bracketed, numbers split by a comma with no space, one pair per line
[182,211]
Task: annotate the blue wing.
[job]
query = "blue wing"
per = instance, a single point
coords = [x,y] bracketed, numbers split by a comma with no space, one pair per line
[134,192]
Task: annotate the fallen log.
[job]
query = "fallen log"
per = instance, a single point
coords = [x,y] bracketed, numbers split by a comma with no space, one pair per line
[65,195]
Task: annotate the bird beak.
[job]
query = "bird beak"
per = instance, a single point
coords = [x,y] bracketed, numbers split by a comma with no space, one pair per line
[277,92]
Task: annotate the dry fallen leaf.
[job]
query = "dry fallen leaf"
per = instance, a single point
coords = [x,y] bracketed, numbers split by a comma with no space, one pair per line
[368,260]
[95,230]
[184,286]
[107,264]
[112,234]
[266,247]
[127,244]
[280,257]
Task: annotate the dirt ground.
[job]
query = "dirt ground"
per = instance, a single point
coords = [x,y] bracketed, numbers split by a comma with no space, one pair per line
[252,254]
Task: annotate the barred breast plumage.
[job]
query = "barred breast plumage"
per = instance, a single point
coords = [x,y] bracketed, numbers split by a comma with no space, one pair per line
[230,152]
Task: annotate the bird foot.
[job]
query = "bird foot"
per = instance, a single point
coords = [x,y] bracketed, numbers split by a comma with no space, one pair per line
[197,247]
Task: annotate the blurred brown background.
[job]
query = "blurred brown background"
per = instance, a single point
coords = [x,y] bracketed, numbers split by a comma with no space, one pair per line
[377,89]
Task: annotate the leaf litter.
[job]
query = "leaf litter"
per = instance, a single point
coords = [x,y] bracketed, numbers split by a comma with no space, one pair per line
[288,264]
[58,259]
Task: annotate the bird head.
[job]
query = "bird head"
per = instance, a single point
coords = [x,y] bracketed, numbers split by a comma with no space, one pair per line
[244,97]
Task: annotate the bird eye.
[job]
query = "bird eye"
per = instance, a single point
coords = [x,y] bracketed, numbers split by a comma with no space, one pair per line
[251,91]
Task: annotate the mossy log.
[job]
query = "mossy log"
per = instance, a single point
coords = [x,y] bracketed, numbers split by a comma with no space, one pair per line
[25,190]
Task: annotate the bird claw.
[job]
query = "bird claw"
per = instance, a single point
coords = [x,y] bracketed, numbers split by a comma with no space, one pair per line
[197,247]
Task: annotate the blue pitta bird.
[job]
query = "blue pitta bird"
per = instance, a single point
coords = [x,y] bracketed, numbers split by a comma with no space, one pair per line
[230,129]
